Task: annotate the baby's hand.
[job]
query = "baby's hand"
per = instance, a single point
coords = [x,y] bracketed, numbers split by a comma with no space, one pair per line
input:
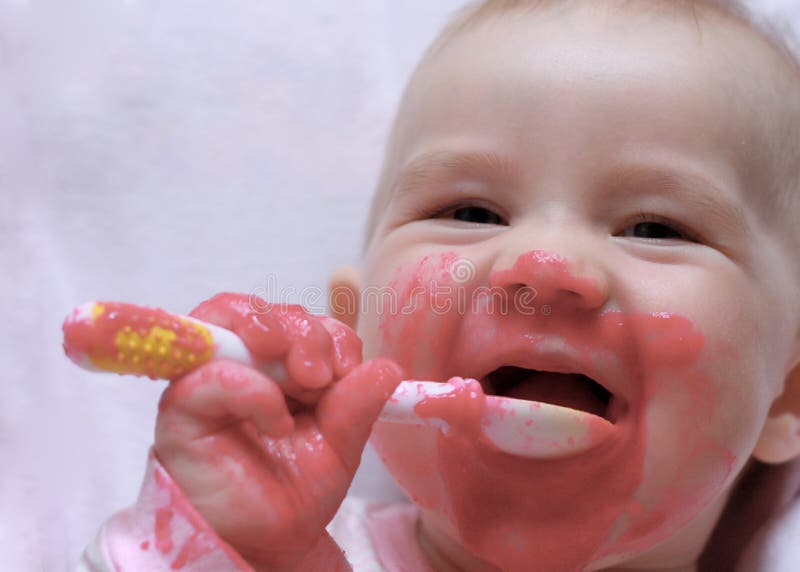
[268,465]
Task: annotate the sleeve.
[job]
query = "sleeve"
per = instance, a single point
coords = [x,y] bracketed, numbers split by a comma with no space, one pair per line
[162,531]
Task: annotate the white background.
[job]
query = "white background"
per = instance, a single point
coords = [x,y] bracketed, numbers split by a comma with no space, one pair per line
[158,152]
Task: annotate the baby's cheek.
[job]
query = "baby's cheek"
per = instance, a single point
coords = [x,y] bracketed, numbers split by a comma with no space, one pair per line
[740,366]
[425,314]
[727,399]
[698,431]
[750,390]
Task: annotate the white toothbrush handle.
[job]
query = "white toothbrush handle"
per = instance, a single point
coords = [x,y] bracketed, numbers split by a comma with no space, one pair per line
[400,408]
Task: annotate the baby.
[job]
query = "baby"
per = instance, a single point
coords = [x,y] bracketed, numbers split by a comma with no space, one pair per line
[588,204]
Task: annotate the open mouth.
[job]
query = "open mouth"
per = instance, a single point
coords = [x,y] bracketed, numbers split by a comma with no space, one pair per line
[573,390]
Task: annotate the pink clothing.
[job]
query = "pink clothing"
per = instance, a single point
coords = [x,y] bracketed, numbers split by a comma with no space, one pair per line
[163,531]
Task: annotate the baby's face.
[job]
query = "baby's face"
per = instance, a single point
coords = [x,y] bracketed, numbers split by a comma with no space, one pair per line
[595,169]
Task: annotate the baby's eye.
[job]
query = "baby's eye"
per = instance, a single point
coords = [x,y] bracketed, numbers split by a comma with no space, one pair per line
[655,228]
[475,214]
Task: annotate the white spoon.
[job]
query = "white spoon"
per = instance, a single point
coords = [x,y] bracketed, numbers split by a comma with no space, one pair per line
[515,426]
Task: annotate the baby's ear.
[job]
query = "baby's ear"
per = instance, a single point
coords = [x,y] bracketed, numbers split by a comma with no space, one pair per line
[780,439]
[344,294]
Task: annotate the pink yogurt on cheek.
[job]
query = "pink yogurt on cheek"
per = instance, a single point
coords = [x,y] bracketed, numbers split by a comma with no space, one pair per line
[429,300]
[558,514]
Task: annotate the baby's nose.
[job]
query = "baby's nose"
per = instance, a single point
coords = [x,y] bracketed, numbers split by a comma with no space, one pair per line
[557,281]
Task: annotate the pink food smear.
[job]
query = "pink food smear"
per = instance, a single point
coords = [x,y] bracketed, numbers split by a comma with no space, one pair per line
[462,407]
[288,333]
[198,545]
[550,515]
[282,488]
[202,541]
[163,530]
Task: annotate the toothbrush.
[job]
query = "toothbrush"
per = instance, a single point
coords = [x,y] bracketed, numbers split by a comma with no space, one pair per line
[138,340]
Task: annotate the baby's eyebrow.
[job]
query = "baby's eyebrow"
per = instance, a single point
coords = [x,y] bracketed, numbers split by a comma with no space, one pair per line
[685,187]
[435,166]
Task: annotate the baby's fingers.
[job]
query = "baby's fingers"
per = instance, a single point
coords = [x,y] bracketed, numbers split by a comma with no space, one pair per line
[224,310]
[251,319]
[347,346]
[218,395]
[346,413]
[296,348]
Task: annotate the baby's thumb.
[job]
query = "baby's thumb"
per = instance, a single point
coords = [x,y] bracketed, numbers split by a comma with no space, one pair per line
[347,411]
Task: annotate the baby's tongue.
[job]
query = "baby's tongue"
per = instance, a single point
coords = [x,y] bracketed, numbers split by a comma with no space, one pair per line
[567,389]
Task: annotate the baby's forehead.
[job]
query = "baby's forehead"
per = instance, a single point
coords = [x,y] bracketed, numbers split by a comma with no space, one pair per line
[735,49]
[725,42]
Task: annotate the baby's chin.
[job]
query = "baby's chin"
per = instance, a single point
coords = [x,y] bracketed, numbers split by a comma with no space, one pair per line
[565,514]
